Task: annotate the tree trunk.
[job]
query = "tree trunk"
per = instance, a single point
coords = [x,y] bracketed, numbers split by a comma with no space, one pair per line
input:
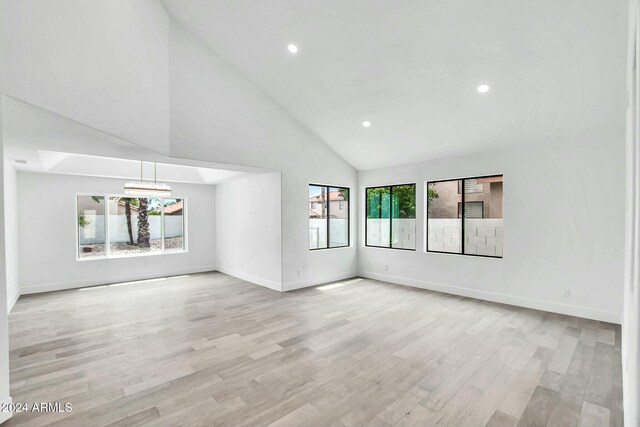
[127,212]
[143,224]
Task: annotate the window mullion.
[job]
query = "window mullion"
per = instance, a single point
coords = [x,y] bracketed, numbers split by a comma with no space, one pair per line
[107,213]
[462,216]
[328,214]
[162,222]
[391,216]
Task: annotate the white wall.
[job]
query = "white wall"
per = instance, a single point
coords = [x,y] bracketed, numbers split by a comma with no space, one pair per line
[4,319]
[217,115]
[103,63]
[11,232]
[563,228]
[631,319]
[248,224]
[47,245]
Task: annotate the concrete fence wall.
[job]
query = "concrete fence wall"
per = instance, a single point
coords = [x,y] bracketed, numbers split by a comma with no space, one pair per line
[482,236]
[94,231]
[403,231]
[318,232]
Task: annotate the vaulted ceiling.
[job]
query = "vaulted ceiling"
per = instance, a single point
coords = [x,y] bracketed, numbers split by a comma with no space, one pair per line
[411,67]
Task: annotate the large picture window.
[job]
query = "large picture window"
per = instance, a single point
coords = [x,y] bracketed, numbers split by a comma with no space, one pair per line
[464,216]
[328,217]
[391,217]
[129,226]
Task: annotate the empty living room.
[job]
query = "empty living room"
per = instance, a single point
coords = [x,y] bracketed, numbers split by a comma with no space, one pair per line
[340,213]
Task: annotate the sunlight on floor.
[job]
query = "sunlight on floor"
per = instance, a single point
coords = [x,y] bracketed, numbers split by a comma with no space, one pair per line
[135,282]
[332,286]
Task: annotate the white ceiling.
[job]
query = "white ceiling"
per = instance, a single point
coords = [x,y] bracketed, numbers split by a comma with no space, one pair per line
[411,68]
[50,143]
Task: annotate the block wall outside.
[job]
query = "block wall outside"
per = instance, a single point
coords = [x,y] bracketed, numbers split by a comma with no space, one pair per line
[402,229]
[93,232]
[482,236]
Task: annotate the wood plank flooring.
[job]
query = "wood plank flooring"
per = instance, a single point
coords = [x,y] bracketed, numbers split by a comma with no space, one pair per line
[213,350]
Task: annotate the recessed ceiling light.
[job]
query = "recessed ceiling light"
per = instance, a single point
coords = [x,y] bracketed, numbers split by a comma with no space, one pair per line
[366,124]
[292,48]
[483,88]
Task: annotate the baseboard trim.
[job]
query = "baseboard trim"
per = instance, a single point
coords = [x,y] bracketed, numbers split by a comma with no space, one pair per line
[61,286]
[570,310]
[267,283]
[292,286]
[12,300]
[4,416]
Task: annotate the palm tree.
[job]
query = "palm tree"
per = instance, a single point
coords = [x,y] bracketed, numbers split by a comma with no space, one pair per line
[127,213]
[128,203]
[143,223]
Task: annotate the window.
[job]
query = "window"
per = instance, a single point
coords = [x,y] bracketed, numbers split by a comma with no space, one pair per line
[131,226]
[328,217]
[391,217]
[173,225]
[91,226]
[134,225]
[476,230]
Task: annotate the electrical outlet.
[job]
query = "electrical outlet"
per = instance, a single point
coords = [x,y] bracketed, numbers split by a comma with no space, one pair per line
[299,272]
[386,267]
[566,292]
[242,266]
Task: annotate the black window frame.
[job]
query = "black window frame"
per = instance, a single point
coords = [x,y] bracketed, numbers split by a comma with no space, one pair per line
[462,218]
[415,195]
[338,187]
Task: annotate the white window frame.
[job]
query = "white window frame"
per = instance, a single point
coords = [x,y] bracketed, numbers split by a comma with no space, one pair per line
[107,249]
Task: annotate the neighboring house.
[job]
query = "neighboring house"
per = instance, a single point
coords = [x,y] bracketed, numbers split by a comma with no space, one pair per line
[338,207]
[117,207]
[174,209]
[483,199]
[121,208]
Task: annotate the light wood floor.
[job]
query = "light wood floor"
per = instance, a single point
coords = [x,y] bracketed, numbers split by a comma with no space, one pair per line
[214,350]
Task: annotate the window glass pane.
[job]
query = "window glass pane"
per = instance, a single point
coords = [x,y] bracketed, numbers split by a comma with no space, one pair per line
[403,213]
[91,226]
[444,228]
[338,217]
[317,217]
[483,216]
[378,216]
[134,225]
[173,225]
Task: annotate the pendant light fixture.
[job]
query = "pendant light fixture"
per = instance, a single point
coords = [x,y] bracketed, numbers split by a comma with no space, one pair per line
[147,188]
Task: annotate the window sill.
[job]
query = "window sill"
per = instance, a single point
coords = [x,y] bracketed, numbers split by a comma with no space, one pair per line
[105,257]
[388,247]
[330,249]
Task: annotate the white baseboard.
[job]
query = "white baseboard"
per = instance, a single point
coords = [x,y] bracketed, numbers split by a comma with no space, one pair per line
[267,283]
[318,281]
[12,300]
[570,310]
[59,286]
[4,416]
